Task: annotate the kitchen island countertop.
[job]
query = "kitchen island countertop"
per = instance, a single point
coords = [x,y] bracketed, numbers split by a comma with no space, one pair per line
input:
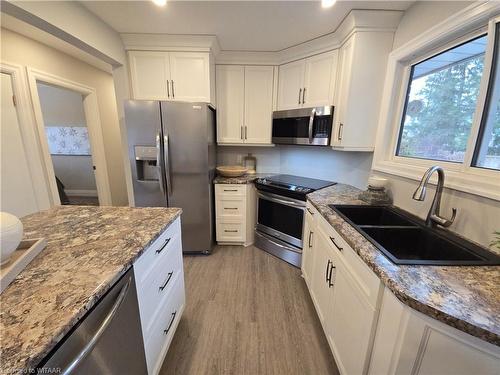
[88,250]
[464,297]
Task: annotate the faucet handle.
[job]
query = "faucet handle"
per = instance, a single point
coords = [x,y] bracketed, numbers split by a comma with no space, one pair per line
[443,221]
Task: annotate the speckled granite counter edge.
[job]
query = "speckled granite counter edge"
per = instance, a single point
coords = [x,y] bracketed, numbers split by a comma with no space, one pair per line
[34,361]
[351,235]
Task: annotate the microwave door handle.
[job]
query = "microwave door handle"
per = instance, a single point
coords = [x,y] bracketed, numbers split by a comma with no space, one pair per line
[311,124]
[166,160]
[159,164]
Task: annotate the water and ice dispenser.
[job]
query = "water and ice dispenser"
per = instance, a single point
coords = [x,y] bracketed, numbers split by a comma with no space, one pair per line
[145,161]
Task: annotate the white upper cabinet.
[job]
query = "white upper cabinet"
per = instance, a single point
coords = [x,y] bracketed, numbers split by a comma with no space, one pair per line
[308,82]
[244,104]
[230,90]
[319,81]
[190,76]
[150,75]
[291,84]
[258,103]
[361,73]
[182,76]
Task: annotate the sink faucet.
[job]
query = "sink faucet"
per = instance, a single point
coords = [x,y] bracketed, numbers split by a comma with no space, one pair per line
[433,219]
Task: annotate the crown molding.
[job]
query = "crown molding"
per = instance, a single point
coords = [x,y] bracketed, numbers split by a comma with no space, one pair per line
[358,20]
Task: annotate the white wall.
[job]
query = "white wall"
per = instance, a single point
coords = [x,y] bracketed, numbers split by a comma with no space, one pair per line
[18,49]
[477,217]
[315,162]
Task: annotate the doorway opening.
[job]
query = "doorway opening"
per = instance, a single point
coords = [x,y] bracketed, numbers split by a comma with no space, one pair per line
[69,144]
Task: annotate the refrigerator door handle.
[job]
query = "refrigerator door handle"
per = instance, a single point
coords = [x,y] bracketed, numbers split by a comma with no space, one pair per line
[166,159]
[159,163]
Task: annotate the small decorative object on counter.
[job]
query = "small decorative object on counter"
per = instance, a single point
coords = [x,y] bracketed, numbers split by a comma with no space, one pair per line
[250,163]
[11,234]
[376,193]
[231,170]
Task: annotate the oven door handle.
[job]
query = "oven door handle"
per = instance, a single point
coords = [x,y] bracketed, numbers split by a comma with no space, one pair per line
[276,199]
[311,123]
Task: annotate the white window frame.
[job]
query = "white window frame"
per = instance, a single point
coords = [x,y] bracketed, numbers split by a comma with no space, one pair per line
[473,21]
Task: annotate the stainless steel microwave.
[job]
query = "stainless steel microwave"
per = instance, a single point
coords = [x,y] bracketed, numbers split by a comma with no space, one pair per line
[303,126]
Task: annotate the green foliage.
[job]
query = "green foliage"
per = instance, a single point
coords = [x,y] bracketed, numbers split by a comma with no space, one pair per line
[441,127]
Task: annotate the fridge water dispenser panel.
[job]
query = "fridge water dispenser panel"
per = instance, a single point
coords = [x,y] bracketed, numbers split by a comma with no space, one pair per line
[145,162]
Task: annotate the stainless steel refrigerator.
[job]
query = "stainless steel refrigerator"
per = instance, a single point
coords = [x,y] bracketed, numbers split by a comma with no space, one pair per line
[172,152]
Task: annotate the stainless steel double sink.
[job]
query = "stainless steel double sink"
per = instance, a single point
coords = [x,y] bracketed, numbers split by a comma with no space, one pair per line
[405,239]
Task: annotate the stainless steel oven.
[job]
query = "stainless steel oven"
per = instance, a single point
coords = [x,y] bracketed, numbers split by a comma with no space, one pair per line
[303,126]
[280,214]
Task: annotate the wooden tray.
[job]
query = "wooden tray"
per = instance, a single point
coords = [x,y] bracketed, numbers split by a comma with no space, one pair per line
[20,258]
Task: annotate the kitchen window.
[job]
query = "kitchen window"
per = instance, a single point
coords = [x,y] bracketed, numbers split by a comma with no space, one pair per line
[441,104]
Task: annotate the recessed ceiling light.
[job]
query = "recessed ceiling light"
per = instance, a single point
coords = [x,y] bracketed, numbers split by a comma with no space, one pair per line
[326,3]
[160,3]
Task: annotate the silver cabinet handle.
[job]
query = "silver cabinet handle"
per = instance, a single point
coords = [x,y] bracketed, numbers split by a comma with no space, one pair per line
[311,124]
[87,349]
[166,282]
[310,238]
[165,331]
[277,199]
[339,134]
[337,246]
[230,190]
[163,246]
[300,93]
[173,92]
[310,211]
[330,283]
[246,132]
[241,132]
[168,89]
[230,208]
[326,271]
[230,231]
[304,96]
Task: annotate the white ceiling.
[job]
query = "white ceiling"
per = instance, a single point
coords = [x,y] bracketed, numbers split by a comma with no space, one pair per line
[238,25]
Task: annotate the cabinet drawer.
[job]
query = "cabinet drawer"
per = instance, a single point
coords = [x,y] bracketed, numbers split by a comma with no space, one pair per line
[157,341]
[230,231]
[230,208]
[226,190]
[366,280]
[153,291]
[145,265]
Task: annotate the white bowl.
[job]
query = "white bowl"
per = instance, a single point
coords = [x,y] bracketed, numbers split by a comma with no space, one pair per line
[231,170]
[11,234]
[377,182]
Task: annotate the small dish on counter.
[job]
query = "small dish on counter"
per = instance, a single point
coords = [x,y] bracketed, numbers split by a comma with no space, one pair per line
[231,170]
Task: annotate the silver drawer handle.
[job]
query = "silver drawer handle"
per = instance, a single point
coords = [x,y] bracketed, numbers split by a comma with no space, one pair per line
[337,246]
[87,349]
[310,211]
[230,208]
[163,246]
[230,189]
[166,282]
[165,331]
[230,231]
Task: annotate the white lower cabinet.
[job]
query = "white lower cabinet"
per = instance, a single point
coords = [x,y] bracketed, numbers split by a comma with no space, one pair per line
[368,329]
[408,342]
[235,206]
[160,292]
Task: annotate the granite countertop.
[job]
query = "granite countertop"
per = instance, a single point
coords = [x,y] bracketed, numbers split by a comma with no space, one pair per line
[241,180]
[464,297]
[88,250]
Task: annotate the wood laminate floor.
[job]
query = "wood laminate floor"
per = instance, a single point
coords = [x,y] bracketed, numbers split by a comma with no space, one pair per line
[247,312]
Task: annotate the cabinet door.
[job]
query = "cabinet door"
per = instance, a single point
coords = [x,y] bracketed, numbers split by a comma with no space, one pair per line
[322,290]
[319,82]
[290,85]
[149,73]
[190,76]
[308,247]
[342,96]
[350,324]
[230,89]
[258,104]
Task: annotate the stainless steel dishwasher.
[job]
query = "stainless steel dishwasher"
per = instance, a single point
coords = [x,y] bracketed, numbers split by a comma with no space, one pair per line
[108,340]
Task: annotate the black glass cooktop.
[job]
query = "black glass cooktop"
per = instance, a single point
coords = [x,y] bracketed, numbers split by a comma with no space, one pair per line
[300,185]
